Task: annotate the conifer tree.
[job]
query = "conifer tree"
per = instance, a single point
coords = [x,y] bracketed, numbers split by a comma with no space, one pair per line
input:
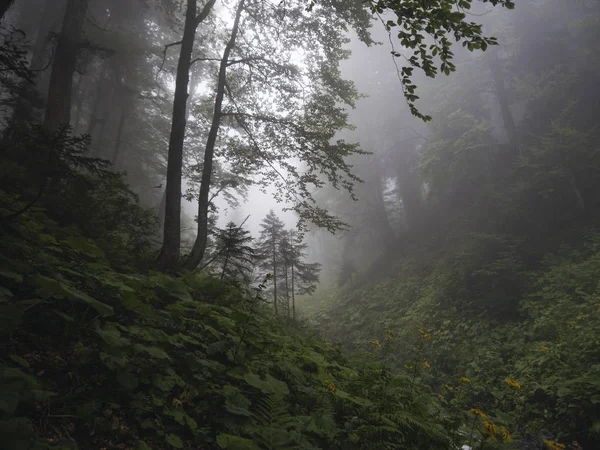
[268,249]
[235,254]
[300,277]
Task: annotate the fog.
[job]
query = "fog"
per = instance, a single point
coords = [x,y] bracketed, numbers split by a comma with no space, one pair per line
[125,83]
[336,224]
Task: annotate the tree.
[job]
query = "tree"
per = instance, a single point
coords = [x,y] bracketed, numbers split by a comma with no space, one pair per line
[272,231]
[169,255]
[235,255]
[300,277]
[275,112]
[60,91]
[429,29]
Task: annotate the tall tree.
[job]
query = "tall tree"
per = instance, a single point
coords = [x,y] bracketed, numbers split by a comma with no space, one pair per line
[58,108]
[304,276]
[169,255]
[275,113]
[203,201]
[235,254]
[272,230]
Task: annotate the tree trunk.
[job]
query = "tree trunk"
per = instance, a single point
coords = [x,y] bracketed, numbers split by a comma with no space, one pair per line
[161,208]
[293,294]
[287,288]
[274,256]
[509,124]
[225,264]
[169,254]
[4,6]
[199,247]
[50,21]
[116,157]
[58,108]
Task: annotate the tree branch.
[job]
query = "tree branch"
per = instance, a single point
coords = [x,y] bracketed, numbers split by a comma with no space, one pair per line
[165,54]
[205,12]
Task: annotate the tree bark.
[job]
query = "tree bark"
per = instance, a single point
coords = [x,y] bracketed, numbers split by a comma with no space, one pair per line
[116,157]
[274,256]
[199,247]
[58,108]
[169,254]
[50,20]
[4,7]
[293,294]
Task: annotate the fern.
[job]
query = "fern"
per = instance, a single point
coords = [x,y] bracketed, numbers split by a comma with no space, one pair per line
[273,423]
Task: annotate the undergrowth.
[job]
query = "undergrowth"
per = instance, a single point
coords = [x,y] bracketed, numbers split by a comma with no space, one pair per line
[100,351]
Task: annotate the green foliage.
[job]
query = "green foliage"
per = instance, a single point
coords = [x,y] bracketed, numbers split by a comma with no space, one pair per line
[99,351]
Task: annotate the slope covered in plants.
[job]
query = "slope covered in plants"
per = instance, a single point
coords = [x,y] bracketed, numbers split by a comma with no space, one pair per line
[98,351]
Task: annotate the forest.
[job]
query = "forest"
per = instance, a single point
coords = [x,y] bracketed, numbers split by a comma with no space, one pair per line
[299,224]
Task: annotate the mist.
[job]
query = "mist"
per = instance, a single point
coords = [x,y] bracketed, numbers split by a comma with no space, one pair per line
[337,225]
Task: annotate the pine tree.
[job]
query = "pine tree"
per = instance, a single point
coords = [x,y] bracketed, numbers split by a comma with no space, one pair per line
[268,249]
[234,253]
[304,276]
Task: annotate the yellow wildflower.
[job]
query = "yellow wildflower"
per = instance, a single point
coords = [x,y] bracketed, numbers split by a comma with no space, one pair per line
[465,380]
[389,335]
[551,445]
[506,434]
[513,383]
[544,348]
[376,343]
[424,334]
[490,428]
[426,364]
[450,388]
[331,386]
[477,412]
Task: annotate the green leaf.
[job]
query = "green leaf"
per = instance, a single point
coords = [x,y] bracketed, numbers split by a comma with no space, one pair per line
[85,246]
[128,380]
[20,361]
[111,336]
[49,287]
[141,445]
[174,441]
[231,442]
[7,274]
[152,351]
[270,385]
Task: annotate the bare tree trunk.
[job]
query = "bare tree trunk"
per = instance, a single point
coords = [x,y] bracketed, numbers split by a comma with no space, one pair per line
[225,264]
[161,208]
[199,247]
[274,256]
[293,295]
[58,108]
[287,290]
[50,20]
[169,254]
[116,157]
[78,101]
